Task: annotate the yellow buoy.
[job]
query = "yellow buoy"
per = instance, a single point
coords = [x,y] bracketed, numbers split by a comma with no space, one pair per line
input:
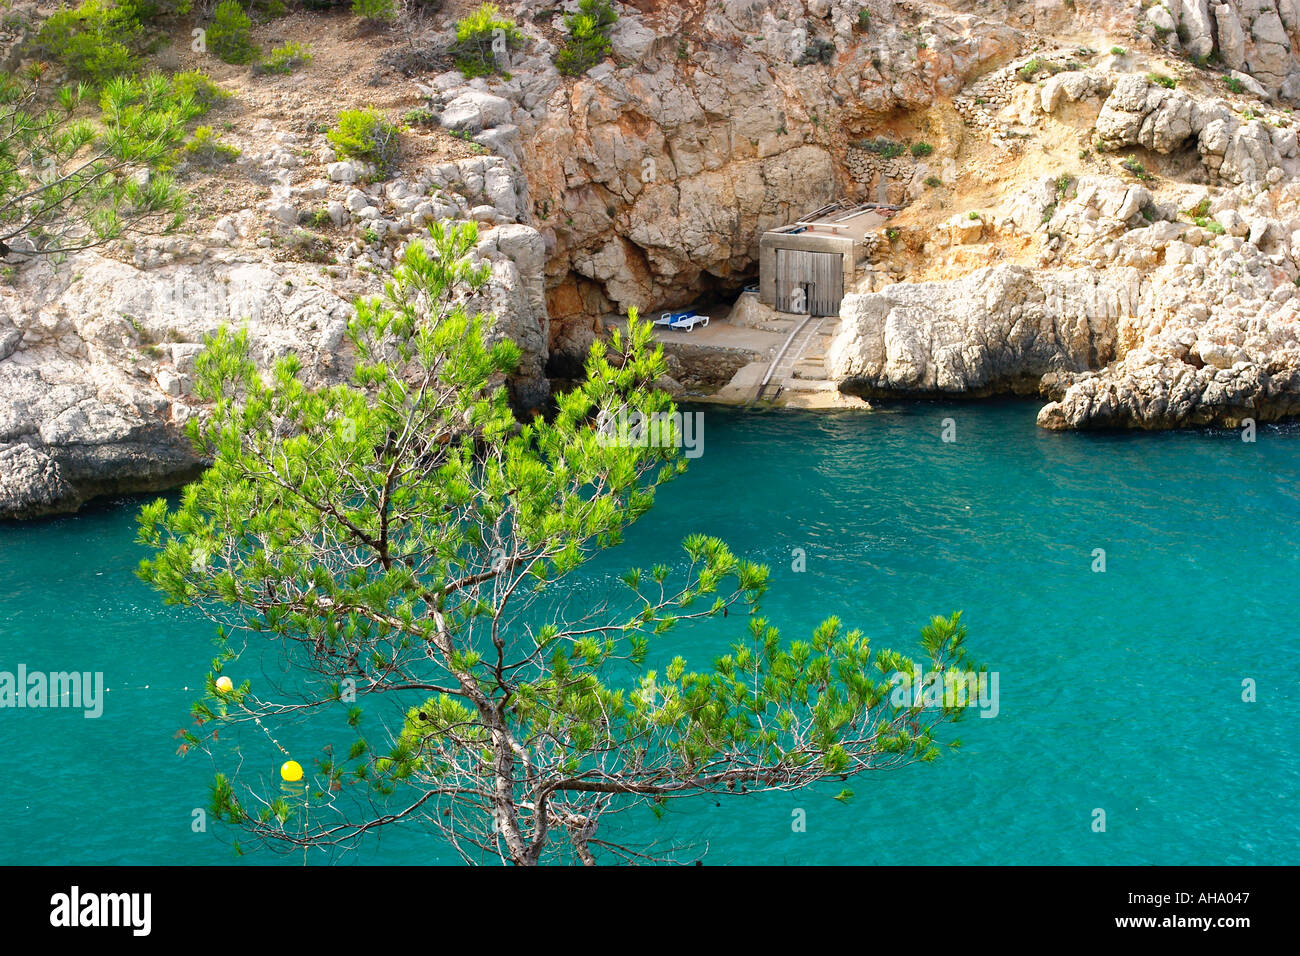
[225,684]
[291,771]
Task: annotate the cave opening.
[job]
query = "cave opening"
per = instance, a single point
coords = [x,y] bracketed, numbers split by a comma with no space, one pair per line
[580,310]
[714,295]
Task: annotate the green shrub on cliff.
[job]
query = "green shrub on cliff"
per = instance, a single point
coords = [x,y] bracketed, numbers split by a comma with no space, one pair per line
[285,58]
[206,148]
[365,135]
[482,41]
[229,36]
[1137,169]
[816,51]
[1031,69]
[100,39]
[198,87]
[882,146]
[96,40]
[147,11]
[588,40]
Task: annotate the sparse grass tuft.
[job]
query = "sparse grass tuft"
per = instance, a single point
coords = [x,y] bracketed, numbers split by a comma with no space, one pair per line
[286,58]
[206,149]
[1137,169]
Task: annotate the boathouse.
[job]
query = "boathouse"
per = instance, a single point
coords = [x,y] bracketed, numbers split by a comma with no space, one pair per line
[805,267]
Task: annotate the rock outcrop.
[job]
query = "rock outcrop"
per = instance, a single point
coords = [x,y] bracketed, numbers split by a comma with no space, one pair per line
[1144,321]
[97,356]
[652,177]
[1140,113]
[99,382]
[999,329]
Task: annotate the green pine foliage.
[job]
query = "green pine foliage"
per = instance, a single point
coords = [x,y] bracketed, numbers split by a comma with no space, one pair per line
[479,36]
[588,41]
[229,36]
[100,39]
[405,547]
[366,135]
[149,11]
[196,86]
[374,11]
[96,40]
[75,175]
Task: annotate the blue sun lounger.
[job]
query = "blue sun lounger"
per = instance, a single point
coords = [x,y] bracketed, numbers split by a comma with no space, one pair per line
[668,318]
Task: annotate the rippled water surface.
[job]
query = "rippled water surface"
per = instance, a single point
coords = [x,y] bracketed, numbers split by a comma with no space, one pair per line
[1119,690]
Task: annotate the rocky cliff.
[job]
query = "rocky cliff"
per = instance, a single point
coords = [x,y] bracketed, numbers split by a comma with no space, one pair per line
[1099,205]
[1147,281]
[1036,147]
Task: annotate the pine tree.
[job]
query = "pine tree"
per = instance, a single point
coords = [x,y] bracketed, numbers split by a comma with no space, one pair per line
[69,180]
[401,545]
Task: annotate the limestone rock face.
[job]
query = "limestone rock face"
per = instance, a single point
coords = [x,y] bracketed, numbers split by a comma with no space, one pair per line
[1072,86]
[1139,113]
[93,394]
[652,181]
[97,358]
[30,483]
[1142,320]
[473,110]
[1159,395]
[648,181]
[1194,18]
[1001,328]
[1257,37]
[1232,148]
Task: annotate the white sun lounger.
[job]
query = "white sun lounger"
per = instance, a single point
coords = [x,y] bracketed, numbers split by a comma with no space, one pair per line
[689,322]
[668,318]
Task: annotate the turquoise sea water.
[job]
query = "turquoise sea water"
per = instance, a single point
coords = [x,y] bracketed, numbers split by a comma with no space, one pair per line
[1119,690]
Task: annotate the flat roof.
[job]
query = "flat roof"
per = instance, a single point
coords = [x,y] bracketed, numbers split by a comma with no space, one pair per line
[841,219]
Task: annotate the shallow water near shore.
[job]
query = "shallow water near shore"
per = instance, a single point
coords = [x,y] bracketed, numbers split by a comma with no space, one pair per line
[1120,691]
